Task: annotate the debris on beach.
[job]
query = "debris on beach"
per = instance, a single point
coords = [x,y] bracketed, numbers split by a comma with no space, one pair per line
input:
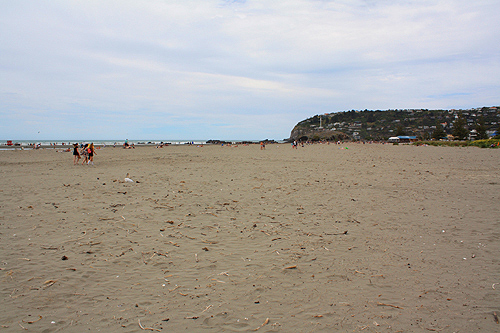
[147,328]
[264,324]
[291,267]
[127,179]
[33,321]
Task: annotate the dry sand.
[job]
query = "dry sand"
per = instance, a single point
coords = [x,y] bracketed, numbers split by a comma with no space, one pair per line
[373,238]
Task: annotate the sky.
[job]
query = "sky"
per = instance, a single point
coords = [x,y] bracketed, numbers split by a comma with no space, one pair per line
[235,70]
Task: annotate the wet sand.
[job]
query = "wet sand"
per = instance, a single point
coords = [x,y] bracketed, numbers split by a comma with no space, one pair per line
[373,238]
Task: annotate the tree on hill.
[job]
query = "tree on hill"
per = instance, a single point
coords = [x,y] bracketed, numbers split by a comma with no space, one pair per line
[400,131]
[370,118]
[439,132]
[459,130]
[481,129]
[424,136]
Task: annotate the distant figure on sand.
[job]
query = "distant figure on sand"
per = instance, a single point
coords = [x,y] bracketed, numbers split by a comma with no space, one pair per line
[76,154]
[262,145]
[85,153]
[91,151]
[126,145]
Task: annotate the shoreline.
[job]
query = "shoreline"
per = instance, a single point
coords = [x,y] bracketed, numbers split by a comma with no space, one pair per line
[118,145]
[187,144]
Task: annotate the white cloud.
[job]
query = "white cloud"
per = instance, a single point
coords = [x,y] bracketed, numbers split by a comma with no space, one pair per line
[207,63]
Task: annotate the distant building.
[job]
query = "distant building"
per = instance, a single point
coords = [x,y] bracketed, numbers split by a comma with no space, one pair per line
[403,139]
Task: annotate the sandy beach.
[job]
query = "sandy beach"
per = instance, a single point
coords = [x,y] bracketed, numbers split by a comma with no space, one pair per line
[325,238]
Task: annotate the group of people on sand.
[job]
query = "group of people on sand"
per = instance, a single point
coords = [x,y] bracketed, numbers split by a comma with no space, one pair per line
[126,145]
[86,152]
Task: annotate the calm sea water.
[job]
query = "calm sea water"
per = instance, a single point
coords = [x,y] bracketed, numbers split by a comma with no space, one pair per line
[29,143]
[26,143]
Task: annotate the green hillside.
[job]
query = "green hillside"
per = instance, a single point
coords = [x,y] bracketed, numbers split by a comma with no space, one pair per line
[380,125]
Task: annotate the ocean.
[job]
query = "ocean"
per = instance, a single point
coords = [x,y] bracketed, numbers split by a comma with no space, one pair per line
[98,142]
[27,144]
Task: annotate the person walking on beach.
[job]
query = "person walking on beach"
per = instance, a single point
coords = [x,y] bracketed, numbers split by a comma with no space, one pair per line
[91,151]
[85,153]
[76,154]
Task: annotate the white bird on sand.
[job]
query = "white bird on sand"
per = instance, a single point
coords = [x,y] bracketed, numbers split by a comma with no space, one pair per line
[128,180]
